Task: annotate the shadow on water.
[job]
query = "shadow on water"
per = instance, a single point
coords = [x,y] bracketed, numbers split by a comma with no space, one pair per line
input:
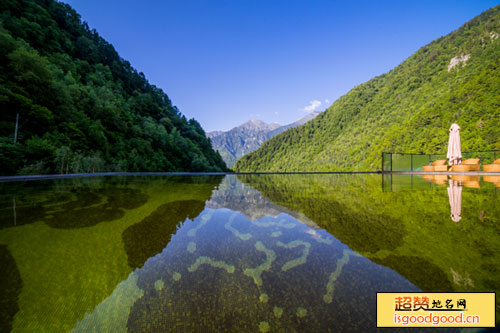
[150,236]
[92,207]
[65,236]
[66,203]
[10,288]
[255,252]
[15,211]
[225,272]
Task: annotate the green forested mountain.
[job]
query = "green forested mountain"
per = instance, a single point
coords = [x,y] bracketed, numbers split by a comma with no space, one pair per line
[455,78]
[81,107]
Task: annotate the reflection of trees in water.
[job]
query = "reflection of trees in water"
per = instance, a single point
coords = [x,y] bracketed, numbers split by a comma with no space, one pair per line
[150,236]
[81,202]
[230,283]
[78,260]
[67,203]
[413,225]
[434,279]
[10,288]
[355,225]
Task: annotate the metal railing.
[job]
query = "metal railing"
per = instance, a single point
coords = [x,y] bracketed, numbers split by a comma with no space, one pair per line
[394,182]
[394,162]
[399,183]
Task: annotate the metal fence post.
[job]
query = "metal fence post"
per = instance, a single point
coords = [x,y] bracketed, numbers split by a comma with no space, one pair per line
[391,170]
[411,164]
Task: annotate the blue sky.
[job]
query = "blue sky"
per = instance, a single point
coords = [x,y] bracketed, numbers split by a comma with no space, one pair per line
[224,62]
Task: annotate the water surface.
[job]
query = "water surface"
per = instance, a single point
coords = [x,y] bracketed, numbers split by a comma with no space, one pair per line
[278,253]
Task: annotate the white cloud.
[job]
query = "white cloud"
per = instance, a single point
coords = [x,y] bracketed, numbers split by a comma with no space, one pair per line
[276,113]
[327,101]
[313,105]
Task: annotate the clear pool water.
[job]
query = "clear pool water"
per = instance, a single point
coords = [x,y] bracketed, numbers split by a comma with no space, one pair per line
[277,253]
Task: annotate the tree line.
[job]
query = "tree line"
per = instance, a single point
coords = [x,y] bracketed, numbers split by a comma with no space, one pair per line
[69,103]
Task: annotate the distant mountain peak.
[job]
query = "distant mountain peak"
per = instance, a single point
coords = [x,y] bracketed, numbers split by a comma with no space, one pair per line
[248,137]
[214,133]
[260,125]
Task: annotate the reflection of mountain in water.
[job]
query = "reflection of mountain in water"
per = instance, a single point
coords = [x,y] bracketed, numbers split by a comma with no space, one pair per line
[223,272]
[74,240]
[408,231]
[241,197]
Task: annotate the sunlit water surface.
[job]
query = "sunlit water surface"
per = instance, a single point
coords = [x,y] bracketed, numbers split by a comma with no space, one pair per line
[278,253]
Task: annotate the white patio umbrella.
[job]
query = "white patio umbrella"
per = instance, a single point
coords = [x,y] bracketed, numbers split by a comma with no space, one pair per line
[454,154]
[455,197]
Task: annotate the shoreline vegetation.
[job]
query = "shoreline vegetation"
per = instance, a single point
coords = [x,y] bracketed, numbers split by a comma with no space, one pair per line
[107,174]
[71,104]
[409,109]
[102,174]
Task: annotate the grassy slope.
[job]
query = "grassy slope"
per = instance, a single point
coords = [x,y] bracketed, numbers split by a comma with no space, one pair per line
[408,109]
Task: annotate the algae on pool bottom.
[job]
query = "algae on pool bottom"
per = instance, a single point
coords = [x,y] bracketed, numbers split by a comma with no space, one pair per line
[194,253]
[239,284]
[70,259]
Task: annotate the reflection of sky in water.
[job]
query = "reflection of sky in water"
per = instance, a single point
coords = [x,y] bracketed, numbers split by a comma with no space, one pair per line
[226,272]
[246,253]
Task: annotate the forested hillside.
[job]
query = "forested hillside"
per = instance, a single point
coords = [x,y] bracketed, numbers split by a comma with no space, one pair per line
[455,78]
[241,139]
[248,137]
[81,107]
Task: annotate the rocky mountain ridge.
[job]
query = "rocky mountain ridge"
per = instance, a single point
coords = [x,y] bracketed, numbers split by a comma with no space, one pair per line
[248,137]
